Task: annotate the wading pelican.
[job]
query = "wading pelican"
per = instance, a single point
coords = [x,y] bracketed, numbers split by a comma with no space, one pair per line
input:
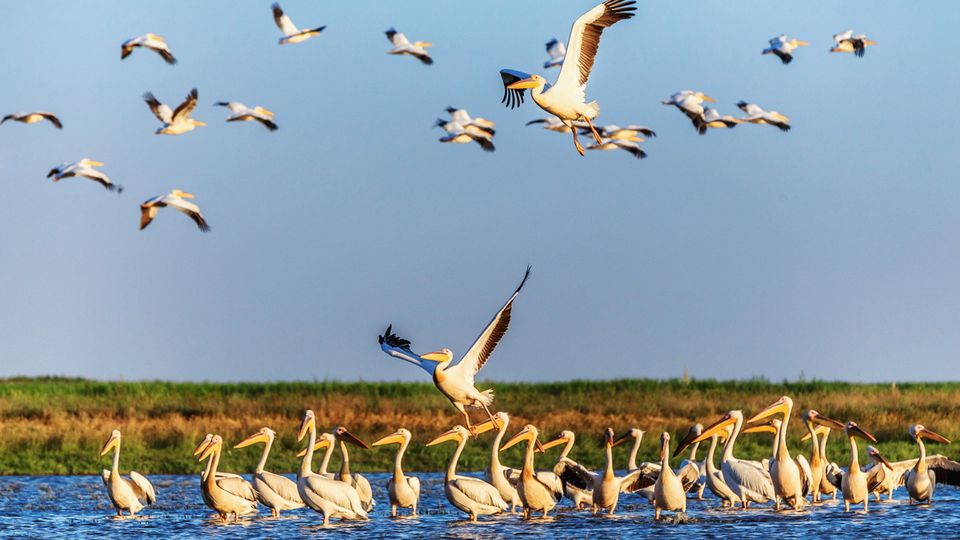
[714,478]
[922,479]
[242,113]
[469,494]
[669,492]
[566,98]
[690,103]
[537,493]
[33,118]
[712,119]
[580,497]
[234,483]
[881,478]
[175,199]
[788,482]
[498,476]
[332,498]
[402,45]
[455,380]
[773,426]
[853,484]
[273,491]
[84,168]
[756,115]
[847,42]
[292,34]
[690,472]
[128,494]
[619,144]
[648,471]
[152,42]
[358,481]
[222,501]
[826,470]
[404,491]
[556,51]
[457,133]
[783,47]
[606,486]
[175,121]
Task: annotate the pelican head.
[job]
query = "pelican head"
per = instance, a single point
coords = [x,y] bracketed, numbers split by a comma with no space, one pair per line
[720,427]
[203,444]
[182,194]
[918,431]
[457,433]
[821,420]
[309,423]
[443,355]
[664,445]
[563,437]
[265,436]
[324,441]
[215,444]
[533,81]
[852,429]
[401,437]
[112,442]
[342,434]
[704,97]
[632,433]
[781,406]
[529,433]
[695,431]
[877,457]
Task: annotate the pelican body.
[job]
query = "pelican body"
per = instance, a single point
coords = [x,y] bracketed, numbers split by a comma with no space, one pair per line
[33,118]
[84,168]
[224,502]
[921,480]
[402,45]
[784,471]
[537,494]
[783,48]
[332,498]
[846,42]
[498,476]
[471,495]
[175,199]
[358,481]
[175,121]
[242,113]
[151,42]
[669,493]
[128,494]
[404,491]
[278,493]
[291,34]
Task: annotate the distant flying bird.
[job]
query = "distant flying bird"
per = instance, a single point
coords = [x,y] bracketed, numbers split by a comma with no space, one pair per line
[552,123]
[84,168]
[461,116]
[175,199]
[242,113]
[783,47]
[292,34]
[557,51]
[756,115]
[712,119]
[620,144]
[847,42]
[152,42]
[628,133]
[33,118]
[690,103]
[457,133]
[452,126]
[566,99]
[177,121]
[402,45]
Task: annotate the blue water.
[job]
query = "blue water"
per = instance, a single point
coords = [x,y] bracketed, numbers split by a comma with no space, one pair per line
[77,507]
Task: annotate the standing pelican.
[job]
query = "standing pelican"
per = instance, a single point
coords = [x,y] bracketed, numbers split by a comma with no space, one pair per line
[273,491]
[404,491]
[500,477]
[557,52]
[922,479]
[358,481]
[853,484]
[714,477]
[669,493]
[128,494]
[332,498]
[690,103]
[175,199]
[234,483]
[151,42]
[402,45]
[847,42]
[818,462]
[177,121]
[33,118]
[788,483]
[242,113]
[881,477]
[455,380]
[292,34]
[538,494]
[566,98]
[84,168]
[579,496]
[469,494]
[606,487]
[783,47]
[756,115]
[829,478]
[223,501]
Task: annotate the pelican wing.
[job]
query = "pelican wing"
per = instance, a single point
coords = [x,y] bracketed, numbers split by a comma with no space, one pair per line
[182,112]
[629,146]
[105,476]
[806,474]
[414,484]
[160,110]
[571,472]
[52,118]
[191,210]
[689,474]
[282,486]
[748,476]
[96,176]
[479,491]
[397,38]
[551,481]
[636,480]
[512,98]
[142,487]
[147,213]
[283,21]
[876,475]
[947,470]
[556,49]
[234,106]
[237,486]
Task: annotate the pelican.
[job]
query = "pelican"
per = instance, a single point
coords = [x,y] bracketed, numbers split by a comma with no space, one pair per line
[292,34]
[714,477]
[628,133]
[756,115]
[690,472]
[455,380]
[178,121]
[606,486]
[33,118]
[274,491]
[452,126]
[922,479]
[358,481]
[712,119]
[151,42]
[579,496]
[498,476]
[847,42]
[783,47]
[469,494]
[788,482]
[552,123]
[690,103]
[566,98]
[827,471]
[853,484]
[818,461]
[457,133]
[128,494]
[538,494]
[223,501]
[404,490]
[557,52]
[402,45]
[84,168]
[242,113]
[669,492]
[175,199]
[234,483]
[881,477]
[462,117]
[332,498]
[326,442]
[619,144]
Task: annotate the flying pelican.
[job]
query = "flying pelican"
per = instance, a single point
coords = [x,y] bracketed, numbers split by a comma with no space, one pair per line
[457,133]
[538,494]
[712,119]
[221,500]
[455,380]
[402,45]
[404,491]
[292,34]
[783,47]
[84,168]
[669,492]
[463,117]
[128,494]
[273,491]
[881,478]
[619,144]
[613,131]
[579,496]
[175,121]
[552,123]
[234,483]
[788,483]
[756,115]
[922,479]
[557,52]
[358,481]
[176,199]
[606,486]
[33,118]
[332,498]
[152,42]
[242,113]
[469,494]
[690,103]
[847,42]
[498,476]
[566,98]
[451,126]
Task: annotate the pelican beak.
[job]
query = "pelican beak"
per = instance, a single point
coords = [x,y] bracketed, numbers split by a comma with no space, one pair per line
[933,436]
[523,84]
[109,445]
[96,163]
[869,42]
[717,427]
[200,447]
[207,451]
[556,442]
[320,445]
[185,195]
[199,123]
[765,427]
[708,98]
[451,435]
[858,431]
[424,44]
[621,439]
[524,435]
[486,426]
[801,43]
[308,423]
[352,439]
[538,446]
[437,356]
[874,453]
[395,438]
[257,437]
[689,439]
[778,407]
[824,421]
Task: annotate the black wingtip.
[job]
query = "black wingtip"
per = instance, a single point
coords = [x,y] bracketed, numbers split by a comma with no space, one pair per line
[524,280]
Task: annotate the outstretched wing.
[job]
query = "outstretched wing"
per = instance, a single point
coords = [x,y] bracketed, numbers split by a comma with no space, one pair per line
[191,210]
[142,487]
[513,98]
[397,38]
[182,112]
[283,21]
[52,118]
[571,472]
[161,111]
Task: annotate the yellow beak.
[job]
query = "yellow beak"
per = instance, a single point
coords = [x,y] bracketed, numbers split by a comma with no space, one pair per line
[486,426]
[210,449]
[819,430]
[778,407]
[760,428]
[524,84]
[933,436]
[718,427]
[307,424]
[96,163]
[707,98]
[257,437]
[199,123]
[523,435]
[320,445]
[200,447]
[556,442]
[438,356]
[800,43]
[109,445]
[395,438]
[451,435]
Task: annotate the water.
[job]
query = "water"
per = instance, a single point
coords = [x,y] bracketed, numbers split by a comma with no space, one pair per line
[77,507]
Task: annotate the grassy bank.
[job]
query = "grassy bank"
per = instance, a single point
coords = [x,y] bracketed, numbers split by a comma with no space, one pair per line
[57,425]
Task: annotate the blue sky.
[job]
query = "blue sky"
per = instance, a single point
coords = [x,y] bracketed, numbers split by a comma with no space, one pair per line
[830,250]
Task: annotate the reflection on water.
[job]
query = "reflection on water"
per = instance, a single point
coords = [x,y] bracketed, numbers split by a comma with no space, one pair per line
[74,507]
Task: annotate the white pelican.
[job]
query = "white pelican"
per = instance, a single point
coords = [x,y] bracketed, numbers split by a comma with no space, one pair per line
[461,116]
[619,144]
[579,496]
[175,199]
[332,498]
[557,52]
[358,481]
[402,45]
[714,478]
[451,126]
[690,103]
[33,118]
[234,483]
[152,42]
[669,492]
[457,133]
[690,470]
[566,98]
[783,47]
[756,115]
[881,477]
[242,113]
[922,479]
[552,123]
[847,42]
[223,501]
[292,34]
[825,470]
[273,491]
[648,471]
[175,121]
[469,494]
[629,132]
[712,119]
[84,168]
[538,494]
[606,486]
[455,380]
[853,484]
[128,494]
[498,476]
[788,481]
[404,491]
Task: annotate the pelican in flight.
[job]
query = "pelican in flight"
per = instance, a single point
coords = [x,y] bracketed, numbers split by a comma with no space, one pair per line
[783,47]
[223,501]
[461,116]
[847,42]
[469,494]
[292,34]
[177,121]
[332,498]
[175,199]
[538,494]
[619,144]
[402,45]
[690,103]
[278,493]
[33,118]
[84,168]
[922,479]
[404,491]
[242,113]
[459,134]
[128,494]
[789,477]
[452,126]
[713,119]
[557,52]
[756,115]
[358,481]
[629,132]
[566,98]
[498,476]
[151,42]
[456,380]
[552,123]
[606,486]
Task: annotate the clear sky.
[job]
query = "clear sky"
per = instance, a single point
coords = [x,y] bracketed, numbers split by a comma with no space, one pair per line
[830,250]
